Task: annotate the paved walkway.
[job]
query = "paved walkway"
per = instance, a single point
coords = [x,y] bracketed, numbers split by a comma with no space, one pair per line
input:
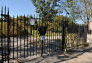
[84,56]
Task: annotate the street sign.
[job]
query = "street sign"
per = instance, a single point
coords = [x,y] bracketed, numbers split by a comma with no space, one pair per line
[42,38]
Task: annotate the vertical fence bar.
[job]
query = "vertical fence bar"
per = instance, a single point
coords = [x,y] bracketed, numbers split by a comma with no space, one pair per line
[63,35]
[36,35]
[58,38]
[41,40]
[55,39]
[42,48]
[46,40]
[1,33]
[20,39]
[27,35]
[5,48]
[8,35]
[39,35]
[33,37]
[24,36]
[30,39]
[17,35]
[49,40]
[13,36]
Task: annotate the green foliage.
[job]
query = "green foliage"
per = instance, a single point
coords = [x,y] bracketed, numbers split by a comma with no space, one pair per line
[73,41]
[70,8]
[46,8]
[57,24]
[30,17]
[78,9]
[3,28]
[17,27]
[70,3]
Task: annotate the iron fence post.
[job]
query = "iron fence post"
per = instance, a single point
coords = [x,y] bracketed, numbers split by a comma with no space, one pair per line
[8,45]
[64,29]
[42,48]
[63,35]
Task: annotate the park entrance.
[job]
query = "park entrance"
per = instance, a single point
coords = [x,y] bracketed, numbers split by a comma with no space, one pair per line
[21,37]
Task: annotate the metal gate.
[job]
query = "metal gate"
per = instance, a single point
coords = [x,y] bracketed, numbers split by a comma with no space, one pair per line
[21,37]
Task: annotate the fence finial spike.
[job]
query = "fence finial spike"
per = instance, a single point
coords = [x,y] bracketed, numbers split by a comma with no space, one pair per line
[17,16]
[13,16]
[5,10]
[34,16]
[31,16]
[2,10]
[8,11]
[24,15]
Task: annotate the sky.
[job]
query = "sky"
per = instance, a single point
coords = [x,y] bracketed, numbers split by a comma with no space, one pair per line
[19,7]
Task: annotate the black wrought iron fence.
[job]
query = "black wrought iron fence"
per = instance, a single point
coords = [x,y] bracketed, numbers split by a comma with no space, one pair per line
[76,36]
[22,36]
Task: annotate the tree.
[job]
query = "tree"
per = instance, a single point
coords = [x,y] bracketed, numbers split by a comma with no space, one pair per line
[77,9]
[46,8]
[86,10]
[56,25]
[69,8]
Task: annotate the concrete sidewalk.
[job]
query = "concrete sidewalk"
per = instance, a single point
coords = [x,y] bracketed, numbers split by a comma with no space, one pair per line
[76,56]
